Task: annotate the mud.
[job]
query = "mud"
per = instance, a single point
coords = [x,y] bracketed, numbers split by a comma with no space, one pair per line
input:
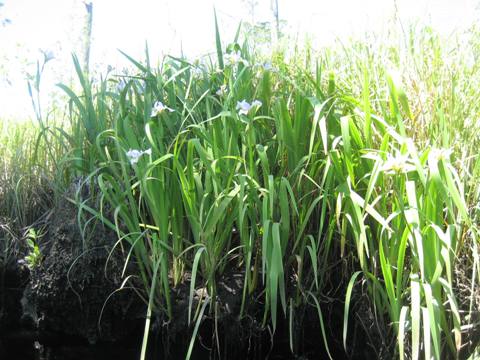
[53,311]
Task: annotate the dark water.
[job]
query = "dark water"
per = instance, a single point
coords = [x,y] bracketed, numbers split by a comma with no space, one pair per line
[21,348]
[37,351]
[28,345]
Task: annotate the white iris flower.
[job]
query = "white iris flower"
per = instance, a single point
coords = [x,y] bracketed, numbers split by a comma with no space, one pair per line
[244,107]
[234,58]
[222,91]
[400,163]
[158,108]
[439,154]
[134,155]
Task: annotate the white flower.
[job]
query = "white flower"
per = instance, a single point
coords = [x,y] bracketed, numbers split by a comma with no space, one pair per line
[264,67]
[121,85]
[439,154]
[48,55]
[158,108]
[197,72]
[469,122]
[222,90]
[235,58]
[134,155]
[267,66]
[400,163]
[256,103]
[244,107]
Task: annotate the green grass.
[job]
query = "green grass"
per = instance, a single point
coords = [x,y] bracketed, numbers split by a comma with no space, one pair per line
[345,158]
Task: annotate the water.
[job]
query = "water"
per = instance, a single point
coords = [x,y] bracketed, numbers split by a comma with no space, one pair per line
[34,350]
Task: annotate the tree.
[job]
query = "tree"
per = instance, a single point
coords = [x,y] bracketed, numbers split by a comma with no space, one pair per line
[87,34]
[276,20]
[251,4]
[268,32]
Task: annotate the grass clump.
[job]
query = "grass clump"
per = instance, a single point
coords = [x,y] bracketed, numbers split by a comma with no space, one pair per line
[278,170]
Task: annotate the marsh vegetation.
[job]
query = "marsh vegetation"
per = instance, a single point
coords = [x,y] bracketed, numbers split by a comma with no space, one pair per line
[245,194]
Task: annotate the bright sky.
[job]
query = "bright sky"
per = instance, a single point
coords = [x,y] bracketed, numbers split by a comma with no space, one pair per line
[171,25]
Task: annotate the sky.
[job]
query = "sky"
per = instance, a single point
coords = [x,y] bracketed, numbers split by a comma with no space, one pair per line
[171,26]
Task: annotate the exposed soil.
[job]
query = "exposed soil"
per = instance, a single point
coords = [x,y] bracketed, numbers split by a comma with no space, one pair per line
[67,292]
[13,279]
[53,311]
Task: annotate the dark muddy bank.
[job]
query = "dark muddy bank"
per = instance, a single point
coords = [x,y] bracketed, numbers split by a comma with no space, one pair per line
[53,311]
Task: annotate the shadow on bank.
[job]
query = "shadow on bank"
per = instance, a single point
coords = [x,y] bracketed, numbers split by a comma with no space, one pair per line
[53,311]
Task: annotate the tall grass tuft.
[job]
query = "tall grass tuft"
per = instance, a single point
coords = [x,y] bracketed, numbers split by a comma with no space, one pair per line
[279,168]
